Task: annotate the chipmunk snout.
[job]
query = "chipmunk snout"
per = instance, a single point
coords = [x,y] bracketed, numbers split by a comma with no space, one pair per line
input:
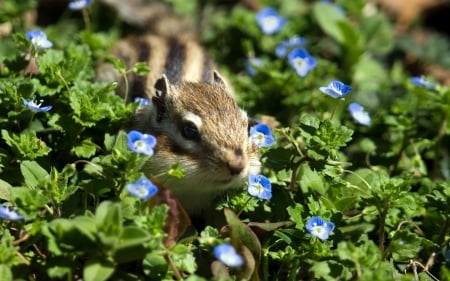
[237,162]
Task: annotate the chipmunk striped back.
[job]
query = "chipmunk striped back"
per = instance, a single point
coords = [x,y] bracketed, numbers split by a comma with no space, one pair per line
[179,58]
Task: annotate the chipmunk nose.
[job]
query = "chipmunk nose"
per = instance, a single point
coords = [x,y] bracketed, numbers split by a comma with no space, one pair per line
[237,163]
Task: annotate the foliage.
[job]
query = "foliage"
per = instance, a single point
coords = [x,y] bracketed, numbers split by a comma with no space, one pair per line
[384,187]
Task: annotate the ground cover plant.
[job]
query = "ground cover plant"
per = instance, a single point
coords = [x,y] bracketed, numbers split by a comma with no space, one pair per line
[356,177]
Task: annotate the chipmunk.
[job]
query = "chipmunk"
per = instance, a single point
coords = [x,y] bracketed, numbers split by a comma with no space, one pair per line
[193,115]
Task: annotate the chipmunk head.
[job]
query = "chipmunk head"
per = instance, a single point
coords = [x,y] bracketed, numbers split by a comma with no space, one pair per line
[199,126]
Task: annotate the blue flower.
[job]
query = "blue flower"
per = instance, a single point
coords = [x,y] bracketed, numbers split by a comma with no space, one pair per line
[39,39]
[301,61]
[259,186]
[270,21]
[261,135]
[422,82]
[285,46]
[36,106]
[358,113]
[142,101]
[141,143]
[9,214]
[79,4]
[228,255]
[143,188]
[336,89]
[319,227]
[251,63]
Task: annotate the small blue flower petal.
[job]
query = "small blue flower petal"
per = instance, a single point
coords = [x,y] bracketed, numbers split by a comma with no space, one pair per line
[286,46]
[8,213]
[336,89]
[358,113]
[142,101]
[39,39]
[36,106]
[228,255]
[301,61]
[251,63]
[259,186]
[261,135]
[79,4]
[270,21]
[422,82]
[143,189]
[319,227]
[141,143]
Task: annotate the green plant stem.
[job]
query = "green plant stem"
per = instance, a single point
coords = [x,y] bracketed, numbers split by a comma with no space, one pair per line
[173,267]
[58,73]
[362,180]
[125,80]
[243,206]
[441,134]
[382,223]
[86,19]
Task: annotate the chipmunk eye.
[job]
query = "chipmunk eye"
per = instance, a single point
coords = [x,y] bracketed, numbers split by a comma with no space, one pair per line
[190,131]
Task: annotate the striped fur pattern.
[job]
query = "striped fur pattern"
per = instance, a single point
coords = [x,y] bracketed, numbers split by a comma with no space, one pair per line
[179,58]
[193,115]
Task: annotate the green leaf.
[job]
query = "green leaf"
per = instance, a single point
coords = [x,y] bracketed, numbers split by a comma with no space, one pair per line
[5,190]
[242,233]
[27,144]
[311,180]
[155,266]
[132,236]
[86,149]
[33,173]
[6,273]
[97,270]
[118,64]
[131,244]
[329,19]
[295,214]
[108,218]
[176,171]
[141,68]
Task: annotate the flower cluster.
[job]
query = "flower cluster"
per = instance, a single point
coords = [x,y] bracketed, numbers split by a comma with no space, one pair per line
[79,4]
[141,143]
[270,21]
[261,135]
[228,255]
[33,105]
[8,213]
[260,186]
[319,227]
[298,57]
[38,39]
[143,188]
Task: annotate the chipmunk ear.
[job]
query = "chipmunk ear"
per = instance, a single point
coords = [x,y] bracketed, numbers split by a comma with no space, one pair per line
[218,80]
[221,82]
[159,99]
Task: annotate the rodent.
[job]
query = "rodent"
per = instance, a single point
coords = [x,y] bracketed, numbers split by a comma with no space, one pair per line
[193,115]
